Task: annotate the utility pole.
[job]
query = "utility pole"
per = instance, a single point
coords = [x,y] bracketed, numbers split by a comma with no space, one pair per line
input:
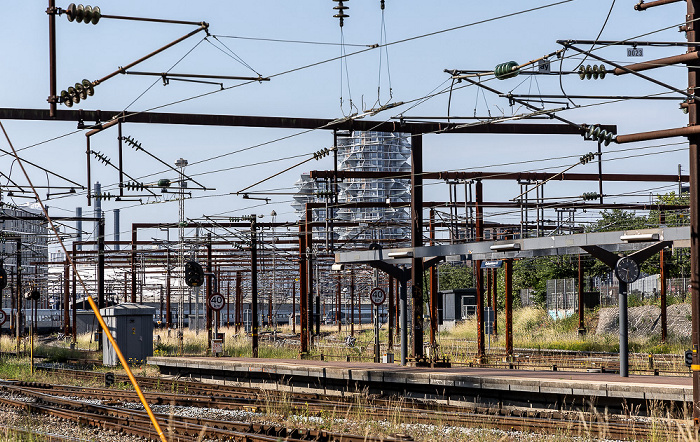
[209,291]
[100,271]
[254,284]
[181,163]
[303,303]
[691,17]
[433,293]
[18,311]
[479,232]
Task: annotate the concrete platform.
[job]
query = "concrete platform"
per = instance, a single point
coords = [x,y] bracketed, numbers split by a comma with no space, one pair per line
[476,386]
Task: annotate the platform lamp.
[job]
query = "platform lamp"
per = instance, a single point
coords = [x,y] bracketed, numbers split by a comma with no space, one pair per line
[626,270]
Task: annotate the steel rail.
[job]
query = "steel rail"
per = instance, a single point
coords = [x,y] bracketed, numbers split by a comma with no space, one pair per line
[500,417]
[97,415]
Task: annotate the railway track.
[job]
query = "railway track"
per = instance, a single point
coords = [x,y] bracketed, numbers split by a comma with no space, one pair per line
[195,394]
[177,428]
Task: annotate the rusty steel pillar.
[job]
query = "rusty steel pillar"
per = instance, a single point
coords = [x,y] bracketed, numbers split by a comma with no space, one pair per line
[359,310]
[208,291]
[217,313]
[237,313]
[662,294]
[509,305]
[134,236]
[581,323]
[19,327]
[488,287]
[294,305]
[53,98]
[168,313]
[397,313]
[494,304]
[479,280]
[337,302]
[74,282]
[310,275]
[101,302]
[390,324]
[433,289]
[417,241]
[254,284]
[693,6]
[66,298]
[303,292]
[228,301]
[352,302]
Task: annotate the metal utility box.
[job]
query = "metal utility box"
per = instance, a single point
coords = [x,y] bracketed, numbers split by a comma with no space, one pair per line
[131,326]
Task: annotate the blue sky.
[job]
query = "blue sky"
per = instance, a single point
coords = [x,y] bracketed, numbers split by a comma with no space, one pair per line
[415,67]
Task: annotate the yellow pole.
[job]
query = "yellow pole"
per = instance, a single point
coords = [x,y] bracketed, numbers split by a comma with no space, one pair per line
[125,364]
[89,298]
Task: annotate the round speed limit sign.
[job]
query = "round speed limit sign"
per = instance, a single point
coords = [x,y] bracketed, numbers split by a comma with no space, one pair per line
[3,317]
[216,301]
[377,296]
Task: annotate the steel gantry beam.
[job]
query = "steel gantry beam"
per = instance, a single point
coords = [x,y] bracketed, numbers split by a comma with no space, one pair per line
[520,176]
[103,118]
[524,248]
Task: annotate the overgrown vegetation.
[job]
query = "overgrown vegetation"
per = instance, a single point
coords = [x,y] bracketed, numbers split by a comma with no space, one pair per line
[533,328]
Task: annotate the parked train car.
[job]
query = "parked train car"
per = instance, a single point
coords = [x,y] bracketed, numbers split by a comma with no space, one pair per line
[364,317]
[47,320]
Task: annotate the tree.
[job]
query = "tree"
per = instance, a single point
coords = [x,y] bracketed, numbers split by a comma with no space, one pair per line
[533,273]
[616,219]
[455,276]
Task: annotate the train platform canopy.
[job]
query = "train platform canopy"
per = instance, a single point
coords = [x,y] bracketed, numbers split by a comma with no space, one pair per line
[617,241]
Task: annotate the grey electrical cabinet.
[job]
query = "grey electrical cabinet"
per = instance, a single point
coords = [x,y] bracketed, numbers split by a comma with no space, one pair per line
[131,326]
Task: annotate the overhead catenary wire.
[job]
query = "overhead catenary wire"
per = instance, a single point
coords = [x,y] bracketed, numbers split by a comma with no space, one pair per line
[383,39]
[602,28]
[276,40]
[369,48]
[513,163]
[231,54]
[350,54]
[156,81]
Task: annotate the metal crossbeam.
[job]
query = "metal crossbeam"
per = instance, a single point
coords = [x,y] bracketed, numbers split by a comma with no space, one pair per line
[528,247]
[287,122]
